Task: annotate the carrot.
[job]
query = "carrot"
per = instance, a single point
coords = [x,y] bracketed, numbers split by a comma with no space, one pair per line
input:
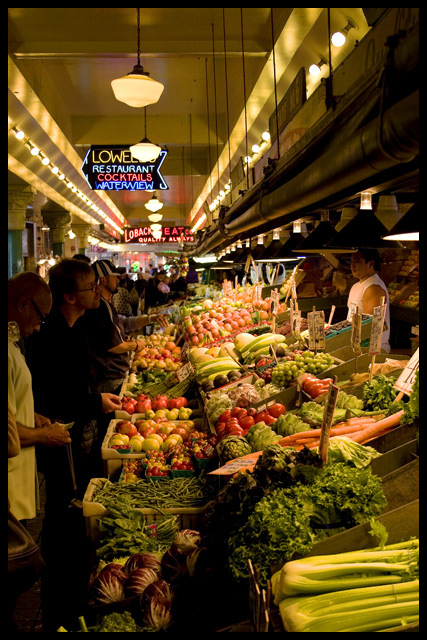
[337,430]
[373,430]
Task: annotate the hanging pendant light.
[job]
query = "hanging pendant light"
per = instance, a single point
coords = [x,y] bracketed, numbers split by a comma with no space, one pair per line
[145,151]
[137,89]
[407,229]
[294,240]
[259,249]
[316,240]
[241,257]
[363,231]
[271,249]
[154,205]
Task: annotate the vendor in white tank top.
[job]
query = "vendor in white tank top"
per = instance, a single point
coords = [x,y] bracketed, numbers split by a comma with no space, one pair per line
[367,293]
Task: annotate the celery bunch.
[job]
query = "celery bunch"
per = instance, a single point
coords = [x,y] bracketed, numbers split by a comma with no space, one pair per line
[369,590]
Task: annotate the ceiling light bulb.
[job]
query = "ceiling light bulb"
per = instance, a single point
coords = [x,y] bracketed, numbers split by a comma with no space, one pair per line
[154,204]
[314,70]
[247,159]
[155,227]
[256,148]
[20,135]
[61,177]
[266,136]
[34,151]
[366,200]
[55,169]
[145,151]
[338,39]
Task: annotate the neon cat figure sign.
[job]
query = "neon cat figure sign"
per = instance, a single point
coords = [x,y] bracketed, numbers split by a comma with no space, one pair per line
[114,168]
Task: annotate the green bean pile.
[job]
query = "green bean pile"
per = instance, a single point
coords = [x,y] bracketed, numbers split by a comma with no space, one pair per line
[164,494]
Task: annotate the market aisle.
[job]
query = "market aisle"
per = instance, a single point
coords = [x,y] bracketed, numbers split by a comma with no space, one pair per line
[28,615]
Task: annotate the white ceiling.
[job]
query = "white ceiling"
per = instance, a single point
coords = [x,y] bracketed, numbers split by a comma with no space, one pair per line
[62,61]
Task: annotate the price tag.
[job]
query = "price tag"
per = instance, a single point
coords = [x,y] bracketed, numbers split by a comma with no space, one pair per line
[295,321]
[356,332]
[293,288]
[328,416]
[352,309]
[227,289]
[237,464]
[184,372]
[316,330]
[236,288]
[378,316]
[331,315]
[406,379]
[275,297]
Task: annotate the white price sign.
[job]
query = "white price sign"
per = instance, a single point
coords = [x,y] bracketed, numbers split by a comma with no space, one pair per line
[227,289]
[378,316]
[293,288]
[275,297]
[356,332]
[406,379]
[352,309]
[316,330]
[295,320]
[184,372]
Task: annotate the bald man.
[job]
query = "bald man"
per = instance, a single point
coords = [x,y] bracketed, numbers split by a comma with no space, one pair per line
[29,302]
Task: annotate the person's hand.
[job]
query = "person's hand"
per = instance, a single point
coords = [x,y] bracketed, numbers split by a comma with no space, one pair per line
[110,402]
[160,319]
[40,421]
[54,435]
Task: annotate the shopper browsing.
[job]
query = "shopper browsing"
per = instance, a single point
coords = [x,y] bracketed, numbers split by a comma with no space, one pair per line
[368,291]
[29,303]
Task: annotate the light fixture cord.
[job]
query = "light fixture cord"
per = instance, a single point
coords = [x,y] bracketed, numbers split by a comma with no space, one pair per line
[228,117]
[244,96]
[216,113]
[209,128]
[145,122]
[138,30]
[275,84]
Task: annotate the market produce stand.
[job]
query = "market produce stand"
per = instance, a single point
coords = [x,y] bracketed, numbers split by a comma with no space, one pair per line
[259,392]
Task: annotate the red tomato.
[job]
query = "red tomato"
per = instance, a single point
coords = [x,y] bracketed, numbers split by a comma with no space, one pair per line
[129,408]
[220,425]
[327,380]
[231,421]
[235,412]
[260,417]
[276,410]
[241,414]
[235,431]
[247,422]
[269,419]
[220,428]
[251,411]
[176,403]
[224,416]
[160,403]
[317,389]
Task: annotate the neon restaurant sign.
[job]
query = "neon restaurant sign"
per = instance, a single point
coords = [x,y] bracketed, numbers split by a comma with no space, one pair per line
[114,168]
[143,235]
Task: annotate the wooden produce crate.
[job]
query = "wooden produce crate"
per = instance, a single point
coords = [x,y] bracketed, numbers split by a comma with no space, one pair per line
[188,517]
[342,339]
[346,369]
[395,458]
[402,523]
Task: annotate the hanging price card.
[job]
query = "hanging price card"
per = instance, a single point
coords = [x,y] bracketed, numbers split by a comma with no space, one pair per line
[184,372]
[378,316]
[295,319]
[356,332]
[227,289]
[275,297]
[328,416]
[406,379]
[331,315]
[293,288]
[316,330]
[352,309]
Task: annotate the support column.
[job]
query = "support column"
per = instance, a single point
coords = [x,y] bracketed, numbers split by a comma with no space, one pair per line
[57,219]
[19,198]
[82,232]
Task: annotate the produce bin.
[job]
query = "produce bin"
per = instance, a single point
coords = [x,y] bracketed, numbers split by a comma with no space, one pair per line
[395,458]
[189,517]
[342,338]
[402,523]
[345,370]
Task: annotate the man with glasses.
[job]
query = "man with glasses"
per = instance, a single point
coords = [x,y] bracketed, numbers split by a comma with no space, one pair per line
[29,303]
[106,333]
[59,359]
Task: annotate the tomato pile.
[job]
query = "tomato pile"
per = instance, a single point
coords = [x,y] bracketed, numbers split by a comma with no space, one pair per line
[238,421]
[314,386]
[142,403]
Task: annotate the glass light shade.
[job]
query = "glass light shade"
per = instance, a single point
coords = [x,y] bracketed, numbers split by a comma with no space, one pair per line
[154,205]
[314,70]
[145,151]
[155,217]
[366,200]
[155,227]
[156,234]
[137,90]
[338,39]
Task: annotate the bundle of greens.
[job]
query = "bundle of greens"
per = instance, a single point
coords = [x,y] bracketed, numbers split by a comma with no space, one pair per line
[344,401]
[379,392]
[368,590]
[287,424]
[289,521]
[344,449]
[411,407]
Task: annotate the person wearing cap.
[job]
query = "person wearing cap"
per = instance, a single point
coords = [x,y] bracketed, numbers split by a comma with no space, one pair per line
[366,294]
[109,344]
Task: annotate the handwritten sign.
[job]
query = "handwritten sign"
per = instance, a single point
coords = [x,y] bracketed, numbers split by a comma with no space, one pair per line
[378,316]
[352,309]
[295,319]
[328,416]
[331,315]
[275,297]
[245,462]
[316,330]
[227,289]
[184,372]
[356,332]
[406,379]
